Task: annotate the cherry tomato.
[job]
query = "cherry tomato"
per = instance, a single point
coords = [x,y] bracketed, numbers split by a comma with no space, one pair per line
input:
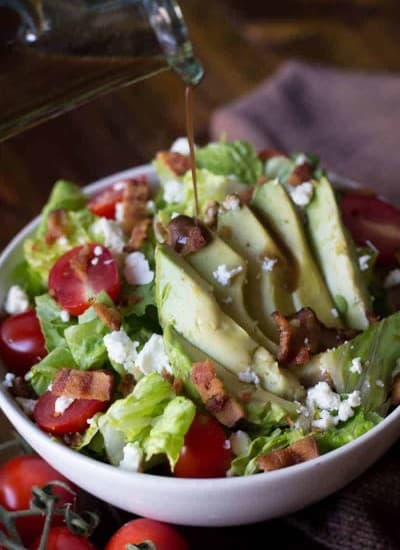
[17,477]
[140,530]
[21,342]
[103,204]
[79,275]
[205,452]
[61,538]
[371,219]
[73,419]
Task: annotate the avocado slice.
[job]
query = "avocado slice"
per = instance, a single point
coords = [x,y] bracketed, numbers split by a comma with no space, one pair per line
[261,406]
[337,256]
[266,290]
[230,297]
[187,302]
[272,202]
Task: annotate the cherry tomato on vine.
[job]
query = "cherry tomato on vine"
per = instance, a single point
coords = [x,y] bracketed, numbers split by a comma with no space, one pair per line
[80,274]
[103,203]
[61,538]
[17,477]
[73,419]
[21,342]
[164,536]
[205,452]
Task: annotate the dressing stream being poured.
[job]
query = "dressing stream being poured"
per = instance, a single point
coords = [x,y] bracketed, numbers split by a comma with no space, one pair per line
[190,136]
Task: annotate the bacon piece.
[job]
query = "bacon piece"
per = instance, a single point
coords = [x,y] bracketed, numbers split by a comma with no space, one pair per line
[178,164]
[21,388]
[80,384]
[372,318]
[396,390]
[57,226]
[300,451]
[184,235]
[302,335]
[269,153]
[301,173]
[126,385]
[212,392]
[134,199]
[109,315]
[79,263]
[138,235]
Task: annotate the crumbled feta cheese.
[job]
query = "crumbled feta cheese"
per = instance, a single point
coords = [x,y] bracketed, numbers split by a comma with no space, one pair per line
[356,366]
[335,312]
[372,246]
[9,380]
[150,207]
[248,376]
[268,263]
[392,279]
[345,411]
[302,194]
[380,384]
[301,159]
[363,261]
[64,316]
[354,399]
[121,349]
[62,241]
[227,300]
[97,251]
[152,357]
[50,387]
[137,270]
[132,458]
[240,443]
[224,275]
[119,186]
[94,261]
[62,403]
[321,396]
[231,202]
[119,212]
[325,421]
[303,421]
[174,215]
[111,233]
[181,145]
[17,300]
[227,444]
[27,405]
[90,421]
[173,191]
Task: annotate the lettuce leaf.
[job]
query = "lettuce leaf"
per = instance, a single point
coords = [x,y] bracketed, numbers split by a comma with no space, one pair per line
[346,432]
[29,280]
[42,374]
[49,315]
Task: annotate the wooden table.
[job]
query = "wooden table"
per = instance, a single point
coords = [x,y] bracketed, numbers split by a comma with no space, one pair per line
[240,44]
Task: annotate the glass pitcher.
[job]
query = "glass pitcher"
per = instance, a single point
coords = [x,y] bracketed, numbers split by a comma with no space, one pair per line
[56,54]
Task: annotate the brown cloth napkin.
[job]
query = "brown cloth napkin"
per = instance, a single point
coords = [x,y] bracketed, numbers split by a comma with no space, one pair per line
[352,120]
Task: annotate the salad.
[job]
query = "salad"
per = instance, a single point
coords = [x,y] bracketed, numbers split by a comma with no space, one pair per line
[259,336]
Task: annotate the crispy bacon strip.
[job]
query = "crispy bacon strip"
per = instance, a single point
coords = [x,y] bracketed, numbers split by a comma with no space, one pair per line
[396,390]
[126,385]
[177,163]
[302,335]
[300,451]
[138,235]
[135,196]
[57,226]
[212,392]
[109,315]
[184,235]
[83,384]
[79,263]
[301,173]
[269,153]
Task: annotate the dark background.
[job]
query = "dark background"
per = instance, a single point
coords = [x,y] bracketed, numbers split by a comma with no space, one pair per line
[240,43]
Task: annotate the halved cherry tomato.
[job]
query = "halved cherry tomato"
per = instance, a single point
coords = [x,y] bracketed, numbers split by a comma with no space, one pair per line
[205,452]
[162,535]
[17,477]
[73,288]
[103,204]
[371,219]
[61,538]
[21,342]
[73,419]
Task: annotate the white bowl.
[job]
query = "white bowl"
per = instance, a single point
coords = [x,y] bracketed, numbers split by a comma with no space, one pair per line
[203,502]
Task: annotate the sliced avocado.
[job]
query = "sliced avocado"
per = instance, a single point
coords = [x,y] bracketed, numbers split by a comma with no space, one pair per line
[337,256]
[187,302]
[230,297]
[266,291]
[260,406]
[272,202]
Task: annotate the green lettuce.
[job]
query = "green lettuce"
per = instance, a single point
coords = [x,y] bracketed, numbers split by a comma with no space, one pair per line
[236,158]
[42,374]
[24,276]
[53,327]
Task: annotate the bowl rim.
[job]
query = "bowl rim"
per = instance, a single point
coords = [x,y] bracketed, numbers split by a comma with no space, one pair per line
[7,401]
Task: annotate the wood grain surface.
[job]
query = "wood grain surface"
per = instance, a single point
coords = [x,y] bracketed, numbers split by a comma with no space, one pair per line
[240,42]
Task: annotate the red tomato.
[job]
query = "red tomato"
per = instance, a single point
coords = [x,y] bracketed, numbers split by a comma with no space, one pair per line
[103,204]
[73,419]
[61,538]
[21,342]
[371,219]
[17,477]
[140,530]
[205,452]
[73,287]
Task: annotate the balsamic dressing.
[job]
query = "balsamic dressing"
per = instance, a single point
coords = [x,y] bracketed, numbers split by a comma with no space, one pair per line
[190,136]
